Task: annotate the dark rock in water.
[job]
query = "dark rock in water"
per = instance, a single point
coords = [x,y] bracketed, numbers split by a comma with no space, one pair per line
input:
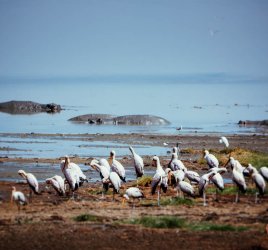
[253,123]
[28,107]
[142,120]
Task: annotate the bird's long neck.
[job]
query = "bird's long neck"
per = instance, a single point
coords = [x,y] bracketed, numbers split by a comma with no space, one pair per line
[158,166]
[66,163]
[132,150]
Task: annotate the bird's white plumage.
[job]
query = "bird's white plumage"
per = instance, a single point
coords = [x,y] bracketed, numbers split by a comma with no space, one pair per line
[31,180]
[57,183]
[133,192]
[217,179]
[117,167]
[175,163]
[264,172]
[192,176]
[138,163]
[70,174]
[160,177]
[105,163]
[257,178]
[186,188]
[18,197]
[103,170]
[225,141]
[115,180]
[211,160]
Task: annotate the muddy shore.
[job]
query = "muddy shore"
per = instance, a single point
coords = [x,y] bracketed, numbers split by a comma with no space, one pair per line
[49,221]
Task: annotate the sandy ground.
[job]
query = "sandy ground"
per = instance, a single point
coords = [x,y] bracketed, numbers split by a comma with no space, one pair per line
[48,221]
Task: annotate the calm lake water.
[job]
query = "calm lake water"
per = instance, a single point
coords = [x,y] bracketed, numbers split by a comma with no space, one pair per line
[198,108]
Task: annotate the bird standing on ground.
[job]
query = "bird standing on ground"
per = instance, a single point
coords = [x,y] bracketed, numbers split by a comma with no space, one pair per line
[117,167]
[71,165]
[175,163]
[115,180]
[236,164]
[217,179]
[57,183]
[160,179]
[134,193]
[138,163]
[32,182]
[238,178]
[203,183]
[224,140]
[18,197]
[211,159]
[258,180]
[71,175]
[104,172]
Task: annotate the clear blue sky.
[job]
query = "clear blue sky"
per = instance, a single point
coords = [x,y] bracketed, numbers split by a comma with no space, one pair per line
[137,37]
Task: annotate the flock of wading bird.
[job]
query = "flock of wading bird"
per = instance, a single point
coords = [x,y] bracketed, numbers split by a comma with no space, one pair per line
[184,181]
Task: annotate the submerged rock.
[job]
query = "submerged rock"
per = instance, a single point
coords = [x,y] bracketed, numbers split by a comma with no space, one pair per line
[28,107]
[142,120]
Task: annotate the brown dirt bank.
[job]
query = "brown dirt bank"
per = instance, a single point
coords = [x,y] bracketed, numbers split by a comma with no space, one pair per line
[47,223]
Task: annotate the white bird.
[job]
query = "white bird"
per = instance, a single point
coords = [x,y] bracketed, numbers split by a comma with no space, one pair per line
[103,170]
[235,163]
[186,188]
[203,183]
[134,193]
[174,177]
[71,175]
[71,165]
[18,197]
[175,163]
[264,172]
[160,179]
[57,183]
[238,178]
[32,182]
[258,180]
[105,163]
[211,159]
[115,180]
[217,179]
[192,176]
[224,140]
[138,163]
[117,167]
[176,149]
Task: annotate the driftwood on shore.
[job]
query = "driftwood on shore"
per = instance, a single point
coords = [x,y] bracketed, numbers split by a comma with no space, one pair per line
[28,107]
[142,120]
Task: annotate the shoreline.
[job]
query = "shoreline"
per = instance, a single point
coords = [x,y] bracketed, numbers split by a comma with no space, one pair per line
[41,224]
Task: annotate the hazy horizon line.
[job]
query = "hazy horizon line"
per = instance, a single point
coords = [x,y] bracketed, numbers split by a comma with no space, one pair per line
[218,77]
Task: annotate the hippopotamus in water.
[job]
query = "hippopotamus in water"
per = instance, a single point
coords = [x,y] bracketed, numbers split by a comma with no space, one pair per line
[28,107]
[142,120]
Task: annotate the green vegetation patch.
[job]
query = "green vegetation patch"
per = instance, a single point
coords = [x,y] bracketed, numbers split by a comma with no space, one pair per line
[87,217]
[202,226]
[145,181]
[159,222]
[177,201]
[176,222]
[244,156]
